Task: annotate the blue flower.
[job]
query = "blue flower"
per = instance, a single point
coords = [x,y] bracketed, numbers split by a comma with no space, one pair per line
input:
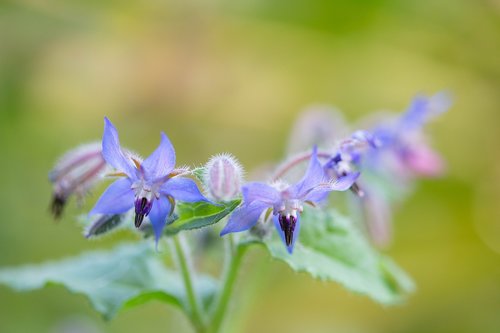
[404,147]
[286,202]
[422,109]
[349,157]
[151,186]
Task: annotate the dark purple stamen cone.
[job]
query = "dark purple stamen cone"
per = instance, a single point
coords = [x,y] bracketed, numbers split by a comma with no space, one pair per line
[57,206]
[142,208]
[288,226]
[357,190]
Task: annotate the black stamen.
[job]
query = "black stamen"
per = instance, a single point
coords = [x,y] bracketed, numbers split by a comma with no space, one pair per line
[138,220]
[287,226]
[140,211]
[357,190]
[57,206]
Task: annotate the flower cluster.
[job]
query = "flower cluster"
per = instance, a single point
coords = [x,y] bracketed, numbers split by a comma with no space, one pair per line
[395,150]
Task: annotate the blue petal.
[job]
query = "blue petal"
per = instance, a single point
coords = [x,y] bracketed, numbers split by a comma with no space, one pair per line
[344,183]
[422,109]
[260,192]
[117,199]
[244,217]
[183,189]
[317,195]
[158,216]
[112,152]
[315,175]
[320,192]
[162,161]
[417,113]
[282,234]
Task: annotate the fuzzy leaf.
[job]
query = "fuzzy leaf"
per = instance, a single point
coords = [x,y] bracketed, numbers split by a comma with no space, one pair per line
[200,214]
[127,276]
[331,248]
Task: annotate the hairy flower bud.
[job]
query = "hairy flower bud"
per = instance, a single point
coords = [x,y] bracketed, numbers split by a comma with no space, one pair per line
[319,125]
[223,177]
[75,173]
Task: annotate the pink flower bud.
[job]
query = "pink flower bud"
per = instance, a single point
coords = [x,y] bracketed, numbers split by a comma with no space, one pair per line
[76,172]
[425,162]
[223,177]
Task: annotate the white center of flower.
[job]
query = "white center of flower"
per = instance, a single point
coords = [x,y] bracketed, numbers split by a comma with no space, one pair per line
[289,207]
[343,167]
[144,189]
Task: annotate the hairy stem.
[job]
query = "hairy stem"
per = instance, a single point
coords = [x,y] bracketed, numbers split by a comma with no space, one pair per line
[181,252]
[295,160]
[232,264]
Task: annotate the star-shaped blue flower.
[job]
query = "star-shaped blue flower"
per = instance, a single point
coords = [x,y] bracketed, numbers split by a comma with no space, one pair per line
[150,185]
[286,202]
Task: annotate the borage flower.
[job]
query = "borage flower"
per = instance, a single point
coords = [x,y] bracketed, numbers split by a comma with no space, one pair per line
[349,156]
[286,202]
[151,186]
[405,150]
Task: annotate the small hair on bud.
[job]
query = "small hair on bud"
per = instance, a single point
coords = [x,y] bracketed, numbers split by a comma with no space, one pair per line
[223,177]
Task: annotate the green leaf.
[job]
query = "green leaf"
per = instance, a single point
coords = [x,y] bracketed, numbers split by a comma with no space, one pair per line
[127,276]
[200,214]
[331,248]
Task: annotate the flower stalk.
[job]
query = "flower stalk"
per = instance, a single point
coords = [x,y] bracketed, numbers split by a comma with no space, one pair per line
[235,254]
[296,160]
[187,273]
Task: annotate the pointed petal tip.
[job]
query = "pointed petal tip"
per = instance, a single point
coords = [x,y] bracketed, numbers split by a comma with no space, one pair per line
[162,161]
[232,227]
[108,122]
[314,154]
[346,182]
[109,127]
[228,230]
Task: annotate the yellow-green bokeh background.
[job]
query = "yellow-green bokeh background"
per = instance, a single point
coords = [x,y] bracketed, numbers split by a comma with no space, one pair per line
[231,76]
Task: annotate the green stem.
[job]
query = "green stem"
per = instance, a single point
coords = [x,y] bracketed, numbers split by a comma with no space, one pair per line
[181,252]
[235,254]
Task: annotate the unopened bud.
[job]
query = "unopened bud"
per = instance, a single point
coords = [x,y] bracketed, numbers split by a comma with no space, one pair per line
[423,161]
[318,125]
[223,177]
[76,172]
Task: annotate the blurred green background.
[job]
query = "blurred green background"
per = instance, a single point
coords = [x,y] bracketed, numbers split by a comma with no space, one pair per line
[232,76]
